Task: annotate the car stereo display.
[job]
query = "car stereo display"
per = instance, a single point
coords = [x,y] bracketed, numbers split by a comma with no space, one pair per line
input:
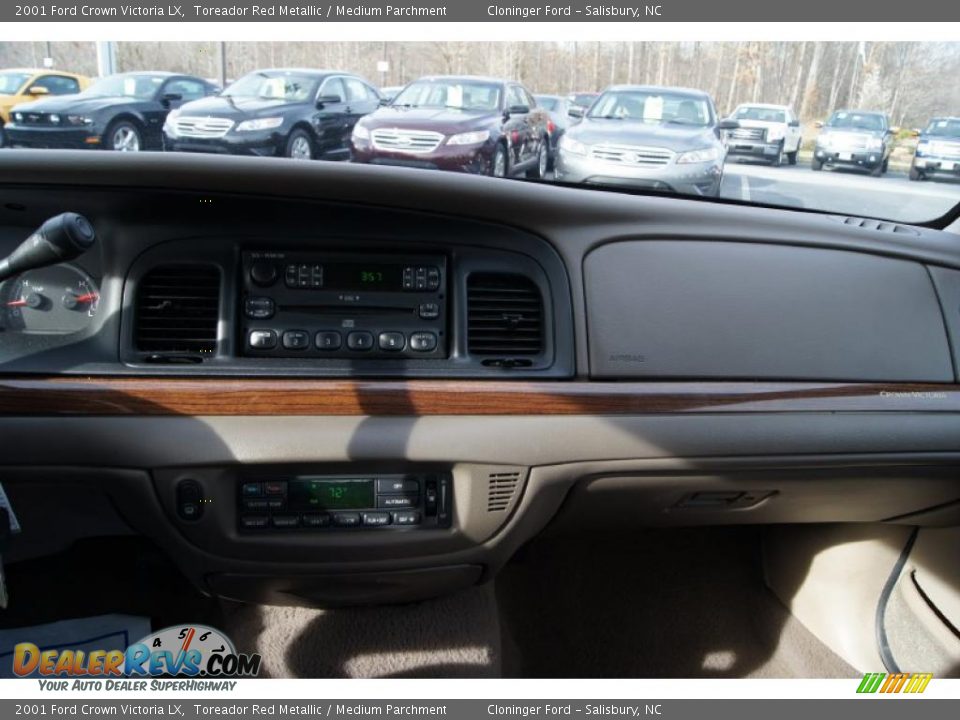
[363,276]
[331,494]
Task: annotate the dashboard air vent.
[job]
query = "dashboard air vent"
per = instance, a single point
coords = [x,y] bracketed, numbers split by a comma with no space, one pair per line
[504,315]
[876,225]
[178,309]
[501,489]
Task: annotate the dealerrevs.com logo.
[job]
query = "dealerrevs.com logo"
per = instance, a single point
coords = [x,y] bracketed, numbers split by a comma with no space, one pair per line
[187,651]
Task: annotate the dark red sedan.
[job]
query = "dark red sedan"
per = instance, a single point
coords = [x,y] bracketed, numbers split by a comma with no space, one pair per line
[465,124]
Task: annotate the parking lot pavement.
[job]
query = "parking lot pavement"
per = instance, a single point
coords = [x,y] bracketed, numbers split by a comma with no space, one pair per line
[849,192]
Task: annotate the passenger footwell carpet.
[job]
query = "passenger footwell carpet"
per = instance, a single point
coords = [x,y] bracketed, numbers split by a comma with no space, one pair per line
[652,604]
[455,636]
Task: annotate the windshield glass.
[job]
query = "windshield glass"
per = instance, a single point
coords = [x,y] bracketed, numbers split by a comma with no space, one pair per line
[651,107]
[452,94]
[142,87]
[944,128]
[548,103]
[763,114]
[582,99]
[287,86]
[857,121]
[10,83]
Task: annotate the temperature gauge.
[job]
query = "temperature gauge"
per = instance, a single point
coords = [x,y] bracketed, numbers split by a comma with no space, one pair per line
[56,300]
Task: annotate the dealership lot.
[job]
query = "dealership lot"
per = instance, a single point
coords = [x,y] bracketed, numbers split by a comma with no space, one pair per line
[892,195]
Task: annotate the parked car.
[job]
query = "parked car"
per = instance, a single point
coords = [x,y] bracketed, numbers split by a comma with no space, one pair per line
[466,124]
[854,138]
[558,108]
[938,150]
[20,85]
[580,102]
[650,137]
[295,113]
[390,92]
[768,132]
[120,112]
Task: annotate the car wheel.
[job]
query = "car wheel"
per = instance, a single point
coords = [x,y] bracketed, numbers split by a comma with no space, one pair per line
[778,160]
[793,156]
[877,171]
[539,171]
[299,145]
[886,165]
[499,163]
[915,174]
[124,136]
[816,164]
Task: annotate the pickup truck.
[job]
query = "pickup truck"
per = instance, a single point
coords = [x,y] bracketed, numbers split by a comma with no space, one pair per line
[768,132]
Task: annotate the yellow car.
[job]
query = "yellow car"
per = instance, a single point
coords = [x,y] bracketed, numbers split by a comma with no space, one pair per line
[19,85]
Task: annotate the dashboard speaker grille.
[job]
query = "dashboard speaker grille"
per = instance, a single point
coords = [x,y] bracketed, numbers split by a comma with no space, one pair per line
[501,489]
[178,309]
[504,315]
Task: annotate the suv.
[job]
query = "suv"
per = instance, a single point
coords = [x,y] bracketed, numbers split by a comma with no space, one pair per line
[770,132]
[854,138]
[938,151]
[295,113]
[467,124]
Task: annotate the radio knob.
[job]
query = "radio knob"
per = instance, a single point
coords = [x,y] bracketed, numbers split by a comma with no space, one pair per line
[263,273]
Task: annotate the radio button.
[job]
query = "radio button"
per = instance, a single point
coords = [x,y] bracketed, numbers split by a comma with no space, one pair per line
[376,518]
[262,339]
[395,501]
[392,341]
[406,517]
[316,520]
[290,276]
[255,504]
[423,341]
[275,487]
[259,308]
[251,489]
[275,503]
[328,340]
[254,521]
[263,273]
[346,519]
[360,340]
[429,311]
[398,486]
[286,521]
[296,339]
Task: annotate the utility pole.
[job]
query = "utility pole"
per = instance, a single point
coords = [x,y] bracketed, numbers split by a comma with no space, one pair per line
[223,64]
[106,58]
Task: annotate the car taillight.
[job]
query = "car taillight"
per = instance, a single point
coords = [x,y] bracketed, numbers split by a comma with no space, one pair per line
[550,126]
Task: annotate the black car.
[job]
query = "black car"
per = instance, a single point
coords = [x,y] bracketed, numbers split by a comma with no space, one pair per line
[558,109]
[120,112]
[294,113]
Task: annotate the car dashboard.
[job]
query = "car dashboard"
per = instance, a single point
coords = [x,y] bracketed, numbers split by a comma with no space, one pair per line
[332,384]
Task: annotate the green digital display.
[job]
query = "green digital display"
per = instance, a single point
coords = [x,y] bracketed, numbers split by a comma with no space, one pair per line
[306,494]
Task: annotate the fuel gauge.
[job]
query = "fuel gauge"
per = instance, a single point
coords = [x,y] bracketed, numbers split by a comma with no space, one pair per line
[56,300]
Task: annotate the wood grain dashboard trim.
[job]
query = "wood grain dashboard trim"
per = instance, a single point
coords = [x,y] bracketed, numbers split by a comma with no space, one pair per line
[96,396]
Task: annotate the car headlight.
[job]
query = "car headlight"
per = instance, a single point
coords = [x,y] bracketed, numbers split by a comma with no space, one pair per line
[708,154]
[79,120]
[360,132]
[260,124]
[923,147]
[18,117]
[55,119]
[776,133]
[574,147]
[469,138]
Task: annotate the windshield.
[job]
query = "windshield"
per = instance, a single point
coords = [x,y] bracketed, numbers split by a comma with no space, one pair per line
[10,83]
[763,114]
[944,128]
[548,103]
[141,87]
[452,94]
[857,121]
[582,99]
[652,107]
[262,86]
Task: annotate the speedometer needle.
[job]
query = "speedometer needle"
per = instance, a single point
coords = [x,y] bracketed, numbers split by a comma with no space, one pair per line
[88,297]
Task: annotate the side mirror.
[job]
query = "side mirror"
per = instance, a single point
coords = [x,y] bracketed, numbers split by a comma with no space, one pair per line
[518,110]
[818,124]
[328,100]
[916,132]
[39,90]
[383,102]
[170,98]
[575,112]
[728,124]
[794,123]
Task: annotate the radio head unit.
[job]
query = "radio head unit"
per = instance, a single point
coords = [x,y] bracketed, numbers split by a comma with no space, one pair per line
[343,305]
